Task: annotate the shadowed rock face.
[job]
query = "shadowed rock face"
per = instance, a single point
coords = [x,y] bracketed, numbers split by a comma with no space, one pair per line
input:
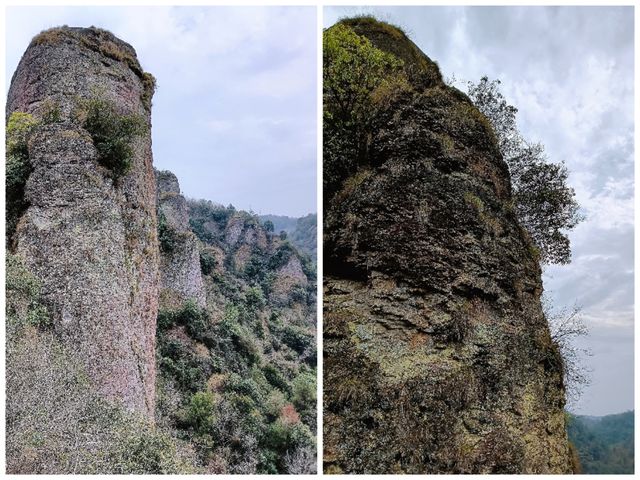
[91,240]
[180,275]
[438,358]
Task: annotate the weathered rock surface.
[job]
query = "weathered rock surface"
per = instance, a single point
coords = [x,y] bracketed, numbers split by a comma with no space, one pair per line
[287,277]
[91,240]
[180,276]
[240,232]
[438,358]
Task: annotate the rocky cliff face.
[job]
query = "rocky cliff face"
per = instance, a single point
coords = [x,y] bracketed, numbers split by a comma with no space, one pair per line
[180,276]
[88,236]
[438,358]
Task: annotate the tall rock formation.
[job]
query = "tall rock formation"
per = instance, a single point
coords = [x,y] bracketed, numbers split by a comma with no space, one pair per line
[90,237]
[438,358]
[180,275]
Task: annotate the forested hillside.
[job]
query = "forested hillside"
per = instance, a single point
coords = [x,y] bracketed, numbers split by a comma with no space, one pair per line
[237,377]
[604,444]
[301,231]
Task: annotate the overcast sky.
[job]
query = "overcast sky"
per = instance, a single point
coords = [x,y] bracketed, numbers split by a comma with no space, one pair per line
[234,115]
[569,71]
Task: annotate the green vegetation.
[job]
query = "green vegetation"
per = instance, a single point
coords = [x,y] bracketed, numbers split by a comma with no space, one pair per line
[304,236]
[358,81]
[200,414]
[604,444]
[237,380]
[202,211]
[545,205]
[168,237]
[418,68]
[113,133]
[148,89]
[20,127]
[207,263]
[232,398]
[302,232]
[268,226]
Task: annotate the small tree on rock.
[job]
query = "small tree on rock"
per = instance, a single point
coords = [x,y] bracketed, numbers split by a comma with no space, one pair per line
[566,326]
[545,204]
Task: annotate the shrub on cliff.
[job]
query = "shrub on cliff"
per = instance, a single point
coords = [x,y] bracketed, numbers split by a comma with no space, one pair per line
[113,133]
[20,126]
[207,262]
[195,319]
[167,235]
[357,77]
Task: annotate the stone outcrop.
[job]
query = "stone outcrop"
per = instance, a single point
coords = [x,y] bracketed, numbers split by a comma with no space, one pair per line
[180,276]
[242,229]
[438,358]
[91,239]
[288,277]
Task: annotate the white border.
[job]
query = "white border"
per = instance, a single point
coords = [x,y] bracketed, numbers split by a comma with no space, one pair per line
[319,4]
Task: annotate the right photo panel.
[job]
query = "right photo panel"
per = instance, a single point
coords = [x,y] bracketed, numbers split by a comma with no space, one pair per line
[478,189]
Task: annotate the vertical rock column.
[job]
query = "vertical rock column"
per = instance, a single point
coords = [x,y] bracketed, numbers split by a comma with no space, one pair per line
[90,238]
[437,355]
[180,275]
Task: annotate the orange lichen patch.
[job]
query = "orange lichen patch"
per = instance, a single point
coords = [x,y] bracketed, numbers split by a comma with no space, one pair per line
[417,340]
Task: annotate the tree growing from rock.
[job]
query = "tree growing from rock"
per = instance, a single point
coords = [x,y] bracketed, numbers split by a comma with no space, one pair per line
[566,326]
[545,203]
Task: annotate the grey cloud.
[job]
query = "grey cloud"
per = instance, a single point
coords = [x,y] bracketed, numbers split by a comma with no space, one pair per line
[251,68]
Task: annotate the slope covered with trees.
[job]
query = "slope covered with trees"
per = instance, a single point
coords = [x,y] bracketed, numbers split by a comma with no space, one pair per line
[302,231]
[604,444]
[238,377]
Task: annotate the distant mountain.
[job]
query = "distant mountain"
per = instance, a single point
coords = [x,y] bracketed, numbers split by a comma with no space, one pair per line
[302,232]
[604,444]
[280,222]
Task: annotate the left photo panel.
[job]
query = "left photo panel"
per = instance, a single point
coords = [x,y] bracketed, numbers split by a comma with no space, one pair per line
[161,240]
